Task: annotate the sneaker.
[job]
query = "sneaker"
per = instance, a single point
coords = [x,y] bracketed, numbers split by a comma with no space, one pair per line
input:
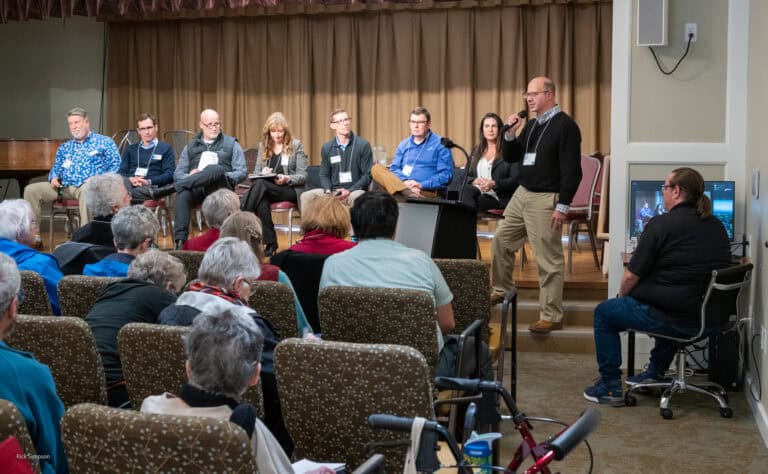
[605,393]
[646,376]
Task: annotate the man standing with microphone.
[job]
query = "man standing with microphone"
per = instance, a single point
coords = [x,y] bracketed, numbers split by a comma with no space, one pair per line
[549,148]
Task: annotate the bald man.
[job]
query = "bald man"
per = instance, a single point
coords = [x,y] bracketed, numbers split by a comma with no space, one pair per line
[212,160]
[549,149]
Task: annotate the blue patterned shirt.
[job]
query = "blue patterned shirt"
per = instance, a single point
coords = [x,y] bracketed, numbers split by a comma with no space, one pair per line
[76,162]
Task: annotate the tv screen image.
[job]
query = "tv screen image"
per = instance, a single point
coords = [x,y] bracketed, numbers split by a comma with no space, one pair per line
[646,200]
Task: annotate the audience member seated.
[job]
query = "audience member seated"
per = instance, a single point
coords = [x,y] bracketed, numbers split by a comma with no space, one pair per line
[379,261]
[154,279]
[134,229]
[281,155]
[245,226]
[215,390]
[662,287]
[106,196]
[18,228]
[325,224]
[224,283]
[491,180]
[147,163]
[216,208]
[421,165]
[27,383]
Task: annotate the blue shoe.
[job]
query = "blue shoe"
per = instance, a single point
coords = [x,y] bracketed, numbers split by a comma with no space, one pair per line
[646,376]
[605,393]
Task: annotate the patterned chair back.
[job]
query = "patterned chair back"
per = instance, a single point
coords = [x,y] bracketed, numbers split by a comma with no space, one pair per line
[469,281]
[380,316]
[78,293]
[328,389]
[12,424]
[153,359]
[191,260]
[274,301]
[67,346]
[104,439]
[36,299]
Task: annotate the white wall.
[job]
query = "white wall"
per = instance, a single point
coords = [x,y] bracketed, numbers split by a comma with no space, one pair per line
[47,68]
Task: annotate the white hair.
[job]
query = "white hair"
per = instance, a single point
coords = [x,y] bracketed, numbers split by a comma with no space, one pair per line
[10,281]
[227,259]
[105,191]
[219,205]
[16,219]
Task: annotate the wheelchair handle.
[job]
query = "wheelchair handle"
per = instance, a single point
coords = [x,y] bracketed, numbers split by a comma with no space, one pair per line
[399,423]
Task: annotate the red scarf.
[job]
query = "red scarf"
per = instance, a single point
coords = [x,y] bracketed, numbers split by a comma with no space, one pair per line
[228,295]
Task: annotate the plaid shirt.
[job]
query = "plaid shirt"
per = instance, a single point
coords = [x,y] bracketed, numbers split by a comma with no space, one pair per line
[76,162]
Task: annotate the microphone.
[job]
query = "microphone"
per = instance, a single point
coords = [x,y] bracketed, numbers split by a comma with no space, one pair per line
[523,114]
[447,142]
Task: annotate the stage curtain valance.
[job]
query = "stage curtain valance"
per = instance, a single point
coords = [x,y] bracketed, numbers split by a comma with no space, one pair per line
[459,63]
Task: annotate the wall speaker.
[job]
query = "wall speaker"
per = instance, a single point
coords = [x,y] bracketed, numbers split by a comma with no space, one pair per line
[652,22]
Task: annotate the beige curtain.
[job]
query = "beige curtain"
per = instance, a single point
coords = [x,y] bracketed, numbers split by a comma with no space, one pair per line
[459,63]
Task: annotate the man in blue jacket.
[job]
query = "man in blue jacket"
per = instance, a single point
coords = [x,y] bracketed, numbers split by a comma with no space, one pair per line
[27,383]
[147,163]
[421,165]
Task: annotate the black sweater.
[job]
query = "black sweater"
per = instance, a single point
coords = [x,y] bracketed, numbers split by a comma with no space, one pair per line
[558,156]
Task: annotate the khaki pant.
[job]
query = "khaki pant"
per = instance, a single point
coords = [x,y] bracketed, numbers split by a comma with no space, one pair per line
[38,193]
[391,183]
[309,196]
[528,215]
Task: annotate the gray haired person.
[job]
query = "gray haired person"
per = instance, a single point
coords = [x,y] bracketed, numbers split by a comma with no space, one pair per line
[27,383]
[133,229]
[215,389]
[106,196]
[154,279]
[217,206]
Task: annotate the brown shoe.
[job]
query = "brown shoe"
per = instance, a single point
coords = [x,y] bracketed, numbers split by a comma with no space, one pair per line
[497,298]
[544,327]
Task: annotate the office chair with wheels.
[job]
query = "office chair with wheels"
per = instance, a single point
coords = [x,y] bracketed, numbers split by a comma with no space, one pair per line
[720,312]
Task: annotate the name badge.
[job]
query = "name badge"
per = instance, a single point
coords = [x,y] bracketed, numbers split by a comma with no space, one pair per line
[284,161]
[529,159]
[335,159]
[407,170]
[67,163]
[345,176]
[141,172]
[93,152]
[157,157]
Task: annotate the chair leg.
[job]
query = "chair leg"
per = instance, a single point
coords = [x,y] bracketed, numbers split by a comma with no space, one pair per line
[199,217]
[593,241]
[50,231]
[290,227]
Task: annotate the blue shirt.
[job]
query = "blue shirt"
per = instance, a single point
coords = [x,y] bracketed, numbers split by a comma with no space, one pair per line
[114,265]
[43,263]
[76,162]
[432,162]
[28,384]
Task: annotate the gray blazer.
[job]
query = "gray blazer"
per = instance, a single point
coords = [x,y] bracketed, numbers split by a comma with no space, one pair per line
[297,163]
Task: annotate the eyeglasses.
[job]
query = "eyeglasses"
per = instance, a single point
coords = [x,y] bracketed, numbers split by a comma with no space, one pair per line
[146,129]
[344,120]
[417,122]
[212,125]
[664,187]
[533,94]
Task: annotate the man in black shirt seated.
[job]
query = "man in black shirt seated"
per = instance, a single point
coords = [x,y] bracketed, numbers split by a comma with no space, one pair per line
[662,287]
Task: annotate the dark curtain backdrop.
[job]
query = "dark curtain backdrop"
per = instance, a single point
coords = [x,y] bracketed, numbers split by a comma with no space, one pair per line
[458,62]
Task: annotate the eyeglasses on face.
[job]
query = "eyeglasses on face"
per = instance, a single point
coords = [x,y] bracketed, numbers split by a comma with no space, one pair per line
[533,94]
[417,122]
[664,187]
[343,120]
[212,125]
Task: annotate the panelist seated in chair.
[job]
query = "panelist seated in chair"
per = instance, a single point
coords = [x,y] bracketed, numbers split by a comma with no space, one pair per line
[326,224]
[86,155]
[345,163]
[212,160]
[154,278]
[147,163]
[662,287]
[18,228]
[134,229]
[281,157]
[491,180]
[106,196]
[217,206]
[27,383]
[421,165]
[215,390]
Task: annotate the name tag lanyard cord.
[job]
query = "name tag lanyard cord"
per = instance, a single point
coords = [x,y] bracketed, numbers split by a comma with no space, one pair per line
[528,139]
[421,150]
[138,155]
[343,153]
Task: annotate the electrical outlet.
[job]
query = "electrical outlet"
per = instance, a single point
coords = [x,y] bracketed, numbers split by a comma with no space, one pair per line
[690,29]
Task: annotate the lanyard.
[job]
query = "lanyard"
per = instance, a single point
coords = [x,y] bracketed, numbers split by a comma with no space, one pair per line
[528,140]
[138,155]
[343,153]
[421,149]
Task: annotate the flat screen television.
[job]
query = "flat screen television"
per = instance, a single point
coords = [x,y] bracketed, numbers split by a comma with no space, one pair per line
[646,200]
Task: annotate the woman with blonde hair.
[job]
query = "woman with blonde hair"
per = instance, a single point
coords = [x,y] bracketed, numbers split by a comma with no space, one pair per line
[246,226]
[282,164]
[325,223]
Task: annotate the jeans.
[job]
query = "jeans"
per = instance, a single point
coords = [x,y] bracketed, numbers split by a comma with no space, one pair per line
[619,314]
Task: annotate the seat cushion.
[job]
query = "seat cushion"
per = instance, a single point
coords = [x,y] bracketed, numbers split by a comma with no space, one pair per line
[282,205]
[152,204]
[66,203]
